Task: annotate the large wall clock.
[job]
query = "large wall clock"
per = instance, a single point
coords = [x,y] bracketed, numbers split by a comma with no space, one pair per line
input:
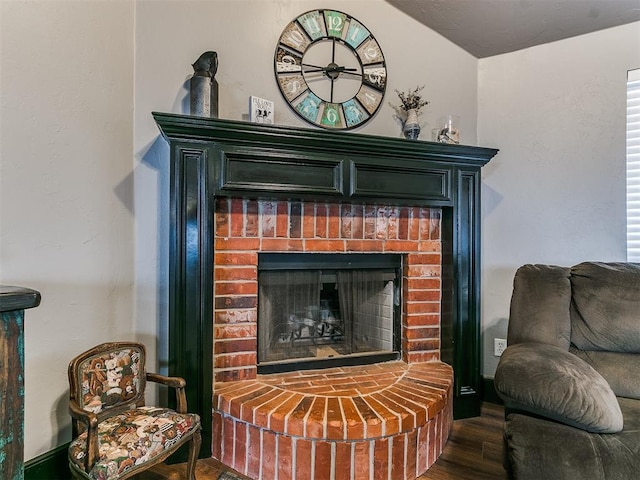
[330,69]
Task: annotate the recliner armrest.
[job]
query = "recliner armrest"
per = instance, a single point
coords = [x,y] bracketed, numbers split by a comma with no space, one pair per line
[550,382]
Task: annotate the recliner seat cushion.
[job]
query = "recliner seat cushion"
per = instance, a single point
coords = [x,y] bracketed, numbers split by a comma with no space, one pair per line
[604,307]
[549,381]
[539,449]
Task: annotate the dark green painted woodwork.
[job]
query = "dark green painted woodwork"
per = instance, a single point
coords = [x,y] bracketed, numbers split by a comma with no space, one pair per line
[213,157]
[13,302]
[191,279]
[254,170]
[51,465]
[465,332]
[381,180]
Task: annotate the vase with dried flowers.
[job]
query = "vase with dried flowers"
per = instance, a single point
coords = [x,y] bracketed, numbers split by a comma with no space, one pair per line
[412,102]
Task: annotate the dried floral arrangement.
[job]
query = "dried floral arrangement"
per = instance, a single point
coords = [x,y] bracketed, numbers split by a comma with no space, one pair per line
[412,100]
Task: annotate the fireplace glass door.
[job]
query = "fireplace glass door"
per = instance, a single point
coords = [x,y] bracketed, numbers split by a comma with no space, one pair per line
[327,309]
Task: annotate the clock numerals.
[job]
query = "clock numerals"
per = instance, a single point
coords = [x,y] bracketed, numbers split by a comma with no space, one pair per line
[335,22]
[313,24]
[375,77]
[294,37]
[287,61]
[331,115]
[370,52]
[369,98]
[292,86]
[354,114]
[330,69]
[356,33]
[309,107]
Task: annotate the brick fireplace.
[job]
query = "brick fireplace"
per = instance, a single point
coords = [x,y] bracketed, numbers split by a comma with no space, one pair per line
[352,419]
[244,227]
[237,189]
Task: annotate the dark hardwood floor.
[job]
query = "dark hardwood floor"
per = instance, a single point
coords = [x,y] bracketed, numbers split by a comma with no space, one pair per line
[473,452]
[474,449]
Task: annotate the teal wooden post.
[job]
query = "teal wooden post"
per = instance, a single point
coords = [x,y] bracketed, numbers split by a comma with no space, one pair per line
[13,302]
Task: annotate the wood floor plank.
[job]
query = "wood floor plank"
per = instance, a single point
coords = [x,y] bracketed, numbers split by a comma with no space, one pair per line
[474,449]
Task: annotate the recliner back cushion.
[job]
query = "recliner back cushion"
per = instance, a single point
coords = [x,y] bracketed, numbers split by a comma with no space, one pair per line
[540,306]
[605,306]
[619,369]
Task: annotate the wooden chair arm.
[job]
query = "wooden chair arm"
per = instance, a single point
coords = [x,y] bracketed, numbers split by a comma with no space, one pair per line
[89,419]
[175,382]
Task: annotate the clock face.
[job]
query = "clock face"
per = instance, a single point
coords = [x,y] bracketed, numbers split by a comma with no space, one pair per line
[330,69]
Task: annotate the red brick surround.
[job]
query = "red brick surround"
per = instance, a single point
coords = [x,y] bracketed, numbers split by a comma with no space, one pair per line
[401,415]
[246,227]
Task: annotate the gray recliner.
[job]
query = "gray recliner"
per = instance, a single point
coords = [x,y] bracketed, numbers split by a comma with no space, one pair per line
[570,376]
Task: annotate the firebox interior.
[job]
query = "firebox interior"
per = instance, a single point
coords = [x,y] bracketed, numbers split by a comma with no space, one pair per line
[320,310]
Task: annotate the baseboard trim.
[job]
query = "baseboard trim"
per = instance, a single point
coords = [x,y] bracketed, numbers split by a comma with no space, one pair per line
[51,465]
[489,393]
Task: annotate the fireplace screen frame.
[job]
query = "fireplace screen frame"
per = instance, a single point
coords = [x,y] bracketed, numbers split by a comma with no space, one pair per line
[290,261]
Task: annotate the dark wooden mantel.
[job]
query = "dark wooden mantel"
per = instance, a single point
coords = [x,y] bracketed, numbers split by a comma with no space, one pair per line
[221,158]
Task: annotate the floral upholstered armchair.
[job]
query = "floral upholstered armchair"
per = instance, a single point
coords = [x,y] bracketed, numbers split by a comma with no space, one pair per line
[115,435]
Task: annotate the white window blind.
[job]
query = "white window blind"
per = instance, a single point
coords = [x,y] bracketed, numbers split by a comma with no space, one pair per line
[633,166]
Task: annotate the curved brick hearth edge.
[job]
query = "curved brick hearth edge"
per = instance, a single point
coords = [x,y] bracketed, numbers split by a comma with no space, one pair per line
[383,421]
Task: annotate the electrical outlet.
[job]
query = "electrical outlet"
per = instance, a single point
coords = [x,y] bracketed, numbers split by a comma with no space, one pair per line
[499,346]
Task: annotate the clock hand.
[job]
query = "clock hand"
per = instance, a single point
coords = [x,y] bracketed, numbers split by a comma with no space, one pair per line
[351,71]
[333,64]
[338,69]
[311,65]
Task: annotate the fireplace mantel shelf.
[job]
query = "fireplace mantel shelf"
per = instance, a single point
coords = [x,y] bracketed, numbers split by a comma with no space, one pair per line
[174,126]
[213,158]
[265,160]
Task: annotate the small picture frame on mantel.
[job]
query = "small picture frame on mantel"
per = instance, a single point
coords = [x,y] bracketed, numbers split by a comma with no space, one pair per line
[261,110]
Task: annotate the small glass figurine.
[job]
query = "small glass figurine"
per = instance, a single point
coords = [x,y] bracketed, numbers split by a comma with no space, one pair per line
[448,132]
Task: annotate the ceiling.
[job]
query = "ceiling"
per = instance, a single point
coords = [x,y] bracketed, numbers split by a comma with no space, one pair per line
[491,27]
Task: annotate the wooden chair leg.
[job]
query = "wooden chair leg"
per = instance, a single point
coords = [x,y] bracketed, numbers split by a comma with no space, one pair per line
[194,449]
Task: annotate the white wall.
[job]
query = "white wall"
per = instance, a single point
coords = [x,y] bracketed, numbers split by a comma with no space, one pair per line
[556,191]
[66,198]
[171,35]
[84,174]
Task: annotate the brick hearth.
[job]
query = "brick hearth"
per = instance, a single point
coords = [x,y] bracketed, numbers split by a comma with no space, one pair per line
[248,407]
[380,421]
